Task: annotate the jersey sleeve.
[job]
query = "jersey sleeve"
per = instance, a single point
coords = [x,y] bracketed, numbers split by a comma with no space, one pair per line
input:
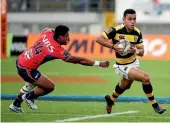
[109,34]
[65,54]
[140,40]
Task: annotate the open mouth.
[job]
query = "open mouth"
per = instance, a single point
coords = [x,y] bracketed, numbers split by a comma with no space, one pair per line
[132,26]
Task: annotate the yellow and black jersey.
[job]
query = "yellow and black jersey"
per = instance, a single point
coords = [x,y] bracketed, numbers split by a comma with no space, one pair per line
[119,32]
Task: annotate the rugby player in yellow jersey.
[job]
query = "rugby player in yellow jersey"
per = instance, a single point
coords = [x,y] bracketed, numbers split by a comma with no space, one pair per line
[128,66]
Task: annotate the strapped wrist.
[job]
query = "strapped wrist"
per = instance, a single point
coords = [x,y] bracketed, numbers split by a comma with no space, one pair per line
[137,51]
[96,63]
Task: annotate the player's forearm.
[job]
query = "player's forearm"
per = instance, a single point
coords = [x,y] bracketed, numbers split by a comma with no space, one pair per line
[87,62]
[80,60]
[102,41]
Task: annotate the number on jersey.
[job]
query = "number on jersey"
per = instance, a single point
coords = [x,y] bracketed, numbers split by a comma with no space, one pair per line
[38,48]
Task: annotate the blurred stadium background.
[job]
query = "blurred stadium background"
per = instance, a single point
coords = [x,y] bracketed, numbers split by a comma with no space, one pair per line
[23,20]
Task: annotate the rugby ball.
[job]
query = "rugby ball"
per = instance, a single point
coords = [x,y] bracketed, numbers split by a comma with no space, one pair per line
[124,45]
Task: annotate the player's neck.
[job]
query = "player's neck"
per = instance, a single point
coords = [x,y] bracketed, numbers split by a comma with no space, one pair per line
[128,30]
[57,40]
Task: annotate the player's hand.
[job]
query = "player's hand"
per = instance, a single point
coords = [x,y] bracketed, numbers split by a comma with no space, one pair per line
[132,49]
[117,48]
[104,63]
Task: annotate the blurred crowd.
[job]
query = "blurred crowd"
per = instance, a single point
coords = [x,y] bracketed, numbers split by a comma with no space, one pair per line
[60,5]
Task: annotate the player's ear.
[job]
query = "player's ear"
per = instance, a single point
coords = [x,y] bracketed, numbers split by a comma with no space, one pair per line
[60,36]
[123,19]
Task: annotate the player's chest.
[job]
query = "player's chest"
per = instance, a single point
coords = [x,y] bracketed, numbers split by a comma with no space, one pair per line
[130,37]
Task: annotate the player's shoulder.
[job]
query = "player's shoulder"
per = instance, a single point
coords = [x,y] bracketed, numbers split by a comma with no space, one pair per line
[48,30]
[137,30]
[119,27]
[114,29]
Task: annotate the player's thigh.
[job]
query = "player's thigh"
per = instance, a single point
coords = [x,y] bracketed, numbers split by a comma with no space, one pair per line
[44,82]
[138,75]
[34,77]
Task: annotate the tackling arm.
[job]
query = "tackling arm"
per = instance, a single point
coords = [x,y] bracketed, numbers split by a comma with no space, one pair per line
[86,61]
[79,60]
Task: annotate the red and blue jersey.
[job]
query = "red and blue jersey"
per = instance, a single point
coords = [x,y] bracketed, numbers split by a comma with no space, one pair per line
[44,49]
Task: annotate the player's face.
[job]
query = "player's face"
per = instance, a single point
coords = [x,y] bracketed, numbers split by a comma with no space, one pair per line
[65,39]
[130,21]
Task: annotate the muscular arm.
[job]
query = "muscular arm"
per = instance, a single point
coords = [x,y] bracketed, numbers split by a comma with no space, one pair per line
[80,60]
[140,47]
[102,41]
[86,61]
[105,36]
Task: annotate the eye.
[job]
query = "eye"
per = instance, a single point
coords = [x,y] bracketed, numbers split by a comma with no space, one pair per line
[130,19]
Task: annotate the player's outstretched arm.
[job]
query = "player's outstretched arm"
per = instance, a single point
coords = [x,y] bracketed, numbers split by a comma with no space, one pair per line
[86,61]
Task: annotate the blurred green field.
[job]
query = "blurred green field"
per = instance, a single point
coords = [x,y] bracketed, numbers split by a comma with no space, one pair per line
[55,110]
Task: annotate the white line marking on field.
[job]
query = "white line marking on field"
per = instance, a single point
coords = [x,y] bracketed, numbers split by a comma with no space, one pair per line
[96,116]
[153,117]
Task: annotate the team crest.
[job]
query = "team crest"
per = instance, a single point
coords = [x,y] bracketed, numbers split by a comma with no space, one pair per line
[121,37]
[135,38]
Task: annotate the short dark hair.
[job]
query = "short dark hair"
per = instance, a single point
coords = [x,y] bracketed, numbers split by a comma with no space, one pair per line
[129,11]
[60,30]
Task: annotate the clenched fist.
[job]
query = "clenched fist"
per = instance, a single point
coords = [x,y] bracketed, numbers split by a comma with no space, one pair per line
[104,63]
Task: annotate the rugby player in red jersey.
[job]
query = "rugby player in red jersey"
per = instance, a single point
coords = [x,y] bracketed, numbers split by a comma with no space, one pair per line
[47,48]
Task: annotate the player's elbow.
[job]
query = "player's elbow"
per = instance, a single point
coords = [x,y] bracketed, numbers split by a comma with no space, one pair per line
[98,39]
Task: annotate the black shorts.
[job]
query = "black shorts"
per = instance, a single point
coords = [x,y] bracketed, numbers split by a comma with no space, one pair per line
[27,74]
